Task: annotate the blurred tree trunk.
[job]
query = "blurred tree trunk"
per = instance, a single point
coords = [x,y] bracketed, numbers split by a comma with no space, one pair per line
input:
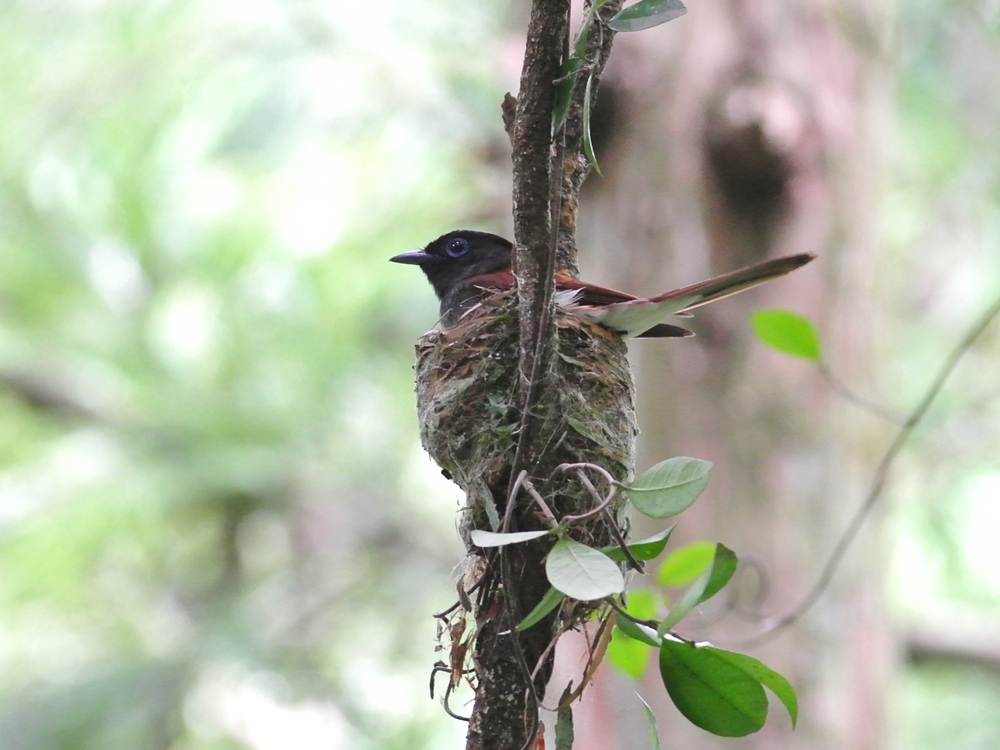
[737,132]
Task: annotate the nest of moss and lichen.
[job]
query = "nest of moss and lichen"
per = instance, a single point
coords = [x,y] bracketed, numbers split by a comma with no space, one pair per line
[466,400]
[467,389]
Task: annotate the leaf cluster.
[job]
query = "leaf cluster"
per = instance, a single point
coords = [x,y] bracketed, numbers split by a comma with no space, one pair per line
[719,691]
[642,15]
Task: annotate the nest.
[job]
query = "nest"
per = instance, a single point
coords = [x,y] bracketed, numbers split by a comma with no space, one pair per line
[467,396]
[467,406]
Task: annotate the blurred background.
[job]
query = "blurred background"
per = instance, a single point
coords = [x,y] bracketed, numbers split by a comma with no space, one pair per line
[218,530]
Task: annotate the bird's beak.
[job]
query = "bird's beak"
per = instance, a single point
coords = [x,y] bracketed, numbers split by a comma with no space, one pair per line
[414,258]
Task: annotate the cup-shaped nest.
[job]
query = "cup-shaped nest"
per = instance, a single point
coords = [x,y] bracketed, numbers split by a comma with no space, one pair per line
[467,394]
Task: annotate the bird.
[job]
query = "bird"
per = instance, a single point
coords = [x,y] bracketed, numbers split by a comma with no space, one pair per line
[465,266]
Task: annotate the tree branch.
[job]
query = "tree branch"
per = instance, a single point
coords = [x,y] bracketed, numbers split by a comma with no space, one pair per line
[879,479]
[532,192]
[512,668]
[576,167]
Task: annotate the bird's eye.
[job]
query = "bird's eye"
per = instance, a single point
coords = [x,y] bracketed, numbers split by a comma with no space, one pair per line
[457,247]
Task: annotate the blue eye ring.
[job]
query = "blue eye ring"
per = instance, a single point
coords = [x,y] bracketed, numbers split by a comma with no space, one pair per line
[457,247]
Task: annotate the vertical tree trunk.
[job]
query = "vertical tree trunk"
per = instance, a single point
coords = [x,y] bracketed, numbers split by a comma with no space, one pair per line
[739,132]
[501,431]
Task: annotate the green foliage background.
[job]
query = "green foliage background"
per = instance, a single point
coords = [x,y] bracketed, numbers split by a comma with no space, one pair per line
[216,527]
[215,521]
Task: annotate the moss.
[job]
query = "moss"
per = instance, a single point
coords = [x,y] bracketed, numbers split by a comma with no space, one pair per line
[466,401]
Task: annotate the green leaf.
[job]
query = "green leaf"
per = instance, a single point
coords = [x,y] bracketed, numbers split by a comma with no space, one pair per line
[646,14]
[568,74]
[582,572]
[588,144]
[564,723]
[787,332]
[644,549]
[685,564]
[548,603]
[777,684]
[482,538]
[580,47]
[705,586]
[711,691]
[670,487]
[654,730]
[637,632]
[642,606]
[629,655]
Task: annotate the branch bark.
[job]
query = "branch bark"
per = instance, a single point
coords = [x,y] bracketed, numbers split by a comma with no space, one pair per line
[575,165]
[570,398]
[533,192]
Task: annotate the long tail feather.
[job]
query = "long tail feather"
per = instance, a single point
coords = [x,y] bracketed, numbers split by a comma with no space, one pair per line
[735,282]
[636,317]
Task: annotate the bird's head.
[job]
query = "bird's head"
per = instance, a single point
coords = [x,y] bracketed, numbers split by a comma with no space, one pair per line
[458,256]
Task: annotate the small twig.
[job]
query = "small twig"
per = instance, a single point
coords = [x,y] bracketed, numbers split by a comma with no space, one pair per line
[749,610]
[602,502]
[595,467]
[550,519]
[879,478]
[441,667]
[593,647]
[584,68]
[633,562]
[594,658]
[620,610]
[511,496]
[603,507]
[443,614]
[463,600]
[857,399]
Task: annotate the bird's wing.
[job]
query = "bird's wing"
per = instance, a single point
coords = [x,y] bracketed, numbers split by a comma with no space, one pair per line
[582,294]
[634,317]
